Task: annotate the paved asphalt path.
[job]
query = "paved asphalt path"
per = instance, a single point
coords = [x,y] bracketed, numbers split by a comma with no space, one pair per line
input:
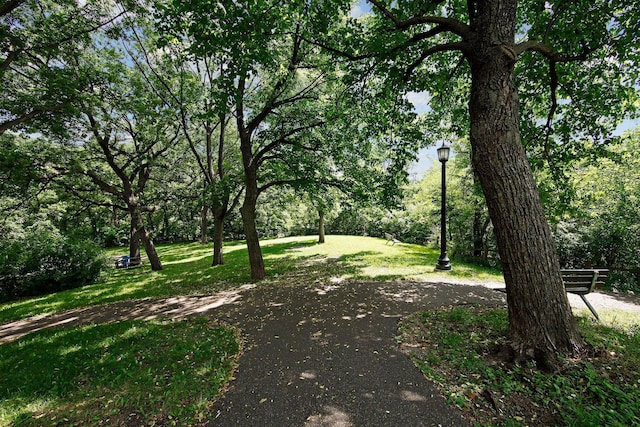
[327,356]
[320,355]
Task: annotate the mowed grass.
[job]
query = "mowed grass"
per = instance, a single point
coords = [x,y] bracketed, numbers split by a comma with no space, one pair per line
[172,372]
[127,373]
[188,271]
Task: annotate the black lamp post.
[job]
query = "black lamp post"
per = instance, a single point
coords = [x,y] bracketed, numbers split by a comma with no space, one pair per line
[443,261]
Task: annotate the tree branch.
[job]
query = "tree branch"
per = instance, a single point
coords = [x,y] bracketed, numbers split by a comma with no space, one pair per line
[554,101]
[452,25]
[549,53]
[280,85]
[4,126]
[9,6]
[283,138]
[105,186]
[448,47]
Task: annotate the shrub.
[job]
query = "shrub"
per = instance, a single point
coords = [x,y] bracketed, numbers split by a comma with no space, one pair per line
[43,261]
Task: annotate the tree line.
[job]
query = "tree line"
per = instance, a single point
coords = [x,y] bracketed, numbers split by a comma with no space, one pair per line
[137,108]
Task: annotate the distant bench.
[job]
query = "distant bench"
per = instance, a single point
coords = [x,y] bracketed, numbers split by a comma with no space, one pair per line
[126,261]
[582,282]
[391,238]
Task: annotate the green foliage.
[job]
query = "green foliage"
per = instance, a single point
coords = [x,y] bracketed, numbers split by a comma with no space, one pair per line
[143,372]
[40,78]
[459,351]
[42,261]
[600,225]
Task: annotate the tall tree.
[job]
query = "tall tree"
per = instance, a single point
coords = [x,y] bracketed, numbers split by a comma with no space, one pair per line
[415,40]
[273,79]
[192,86]
[130,130]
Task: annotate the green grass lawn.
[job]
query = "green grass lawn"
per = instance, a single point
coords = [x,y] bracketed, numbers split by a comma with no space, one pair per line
[171,372]
[188,271]
[127,373]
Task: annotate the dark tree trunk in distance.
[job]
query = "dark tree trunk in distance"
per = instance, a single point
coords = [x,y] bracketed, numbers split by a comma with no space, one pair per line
[218,235]
[320,226]
[204,225]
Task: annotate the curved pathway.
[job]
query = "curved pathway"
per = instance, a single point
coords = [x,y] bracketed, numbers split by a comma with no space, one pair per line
[321,355]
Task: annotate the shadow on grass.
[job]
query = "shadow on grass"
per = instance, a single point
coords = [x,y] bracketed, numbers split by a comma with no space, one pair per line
[65,374]
[188,271]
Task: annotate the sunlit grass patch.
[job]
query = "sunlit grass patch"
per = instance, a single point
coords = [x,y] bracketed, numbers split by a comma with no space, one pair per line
[288,261]
[143,372]
[623,320]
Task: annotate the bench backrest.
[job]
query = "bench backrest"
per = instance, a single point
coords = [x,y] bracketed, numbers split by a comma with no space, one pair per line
[388,236]
[583,281]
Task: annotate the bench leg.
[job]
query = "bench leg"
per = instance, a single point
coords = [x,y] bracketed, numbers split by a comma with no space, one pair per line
[593,311]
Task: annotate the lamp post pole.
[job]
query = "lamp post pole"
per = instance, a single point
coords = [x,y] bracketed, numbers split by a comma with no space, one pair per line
[443,261]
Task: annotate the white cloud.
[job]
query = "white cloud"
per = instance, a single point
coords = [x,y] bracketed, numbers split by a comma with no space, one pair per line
[359,9]
[420,101]
[356,12]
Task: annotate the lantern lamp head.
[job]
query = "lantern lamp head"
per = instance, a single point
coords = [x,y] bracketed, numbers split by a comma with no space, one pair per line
[443,152]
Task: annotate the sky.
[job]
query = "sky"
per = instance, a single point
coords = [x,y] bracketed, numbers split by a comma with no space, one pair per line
[361,8]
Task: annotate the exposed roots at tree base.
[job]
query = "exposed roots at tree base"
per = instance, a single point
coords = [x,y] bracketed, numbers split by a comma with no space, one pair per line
[545,360]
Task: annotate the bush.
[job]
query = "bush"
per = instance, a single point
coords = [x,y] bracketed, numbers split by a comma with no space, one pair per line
[43,261]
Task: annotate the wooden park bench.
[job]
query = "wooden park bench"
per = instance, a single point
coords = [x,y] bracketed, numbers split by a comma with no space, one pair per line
[391,238]
[582,282]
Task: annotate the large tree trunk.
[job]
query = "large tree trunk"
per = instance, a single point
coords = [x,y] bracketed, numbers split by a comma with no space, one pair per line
[150,249]
[320,226]
[134,240]
[218,235]
[248,209]
[540,319]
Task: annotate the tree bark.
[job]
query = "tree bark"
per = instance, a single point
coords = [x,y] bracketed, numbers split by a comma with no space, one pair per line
[150,249]
[248,212]
[134,241]
[540,319]
[140,234]
[204,225]
[218,235]
[320,226]
[480,226]
[248,209]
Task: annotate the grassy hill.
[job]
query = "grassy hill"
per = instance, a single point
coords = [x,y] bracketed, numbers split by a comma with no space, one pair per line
[188,271]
